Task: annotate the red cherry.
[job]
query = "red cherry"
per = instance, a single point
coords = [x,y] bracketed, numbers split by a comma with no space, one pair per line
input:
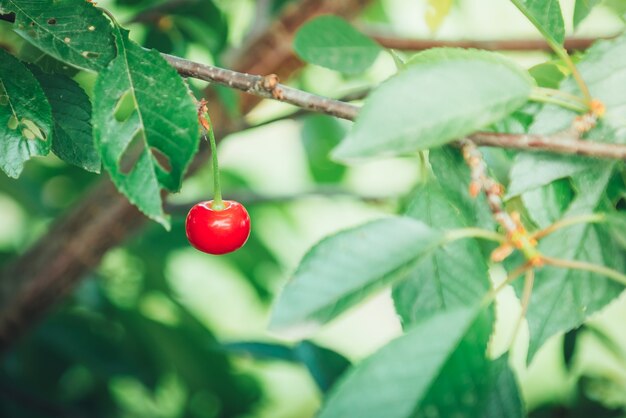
[218,231]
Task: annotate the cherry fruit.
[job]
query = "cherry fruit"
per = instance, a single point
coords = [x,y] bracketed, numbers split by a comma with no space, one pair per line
[218,230]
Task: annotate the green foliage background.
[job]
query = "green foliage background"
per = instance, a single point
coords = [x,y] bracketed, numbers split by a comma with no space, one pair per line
[159,330]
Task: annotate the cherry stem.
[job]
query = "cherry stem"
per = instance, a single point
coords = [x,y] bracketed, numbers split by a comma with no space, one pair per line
[529,281]
[561,52]
[218,203]
[456,234]
[593,268]
[541,96]
[587,218]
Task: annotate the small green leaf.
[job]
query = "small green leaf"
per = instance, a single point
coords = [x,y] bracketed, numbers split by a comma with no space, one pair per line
[25,116]
[563,298]
[73,137]
[331,42]
[547,204]
[72,31]
[320,134]
[435,369]
[548,74]
[344,269]
[145,125]
[442,95]
[582,10]
[547,17]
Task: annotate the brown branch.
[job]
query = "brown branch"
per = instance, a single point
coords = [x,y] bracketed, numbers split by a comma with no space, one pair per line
[557,144]
[263,87]
[254,84]
[407,44]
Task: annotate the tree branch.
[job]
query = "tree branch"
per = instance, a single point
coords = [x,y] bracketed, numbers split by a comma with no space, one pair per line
[264,87]
[557,144]
[406,44]
[259,86]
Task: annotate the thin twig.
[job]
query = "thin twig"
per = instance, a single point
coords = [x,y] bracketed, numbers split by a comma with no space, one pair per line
[582,265]
[529,281]
[556,144]
[407,44]
[264,86]
[563,223]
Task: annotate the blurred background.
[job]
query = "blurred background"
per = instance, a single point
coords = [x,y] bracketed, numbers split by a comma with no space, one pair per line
[161,330]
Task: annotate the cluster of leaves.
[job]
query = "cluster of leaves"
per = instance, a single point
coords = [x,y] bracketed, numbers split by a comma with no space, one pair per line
[441,287]
[143,127]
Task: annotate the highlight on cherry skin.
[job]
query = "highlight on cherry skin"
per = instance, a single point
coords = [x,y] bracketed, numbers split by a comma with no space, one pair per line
[218,230]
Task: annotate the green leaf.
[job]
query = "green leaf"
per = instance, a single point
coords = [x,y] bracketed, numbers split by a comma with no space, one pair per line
[503,399]
[454,177]
[548,74]
[435,369]
[73,31]
[25,116]
[546,16]
[582,9]
[453,275]
[547,204]
[345,268]
[330,41]
[436,12]
[73,137]
[320,134]
[563,298]
[444,94]
[533,170]
[145,125]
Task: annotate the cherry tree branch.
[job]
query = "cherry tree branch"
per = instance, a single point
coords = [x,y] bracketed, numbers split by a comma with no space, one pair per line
[407,44]
[268,87]
[263,86]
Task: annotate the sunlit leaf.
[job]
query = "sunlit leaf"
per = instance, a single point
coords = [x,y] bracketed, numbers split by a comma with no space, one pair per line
[582,10]
[331,42]
[345,268]
[547,17]
[442,95]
